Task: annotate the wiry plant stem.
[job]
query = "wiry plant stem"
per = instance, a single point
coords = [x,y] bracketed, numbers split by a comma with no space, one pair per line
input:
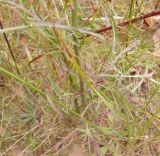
[9,47]
[76,49]
[131,11]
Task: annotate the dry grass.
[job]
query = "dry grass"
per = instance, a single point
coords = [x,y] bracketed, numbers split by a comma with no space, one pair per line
[76,95]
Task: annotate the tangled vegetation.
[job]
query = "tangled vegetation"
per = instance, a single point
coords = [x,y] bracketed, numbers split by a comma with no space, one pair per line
[80,78]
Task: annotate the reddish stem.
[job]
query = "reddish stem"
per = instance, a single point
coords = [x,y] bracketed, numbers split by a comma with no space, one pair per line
[133,20]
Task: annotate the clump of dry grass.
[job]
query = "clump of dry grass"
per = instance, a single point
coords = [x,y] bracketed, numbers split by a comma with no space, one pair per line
[74,93]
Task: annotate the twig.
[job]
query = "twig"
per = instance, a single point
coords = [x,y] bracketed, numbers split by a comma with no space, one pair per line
[9,47]
[133,20]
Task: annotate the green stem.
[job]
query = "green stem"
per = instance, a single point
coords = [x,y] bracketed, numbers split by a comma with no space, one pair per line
[131,11]
[76,50]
